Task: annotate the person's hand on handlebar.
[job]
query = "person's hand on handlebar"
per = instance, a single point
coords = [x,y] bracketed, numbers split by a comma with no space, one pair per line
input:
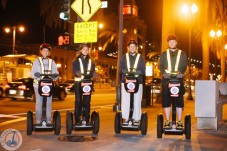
[166,75]
[180,75]
[78,74]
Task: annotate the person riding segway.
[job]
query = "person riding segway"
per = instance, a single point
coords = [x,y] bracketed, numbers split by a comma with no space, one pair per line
[132,68]
[83,68]
[173,64]
[44,71]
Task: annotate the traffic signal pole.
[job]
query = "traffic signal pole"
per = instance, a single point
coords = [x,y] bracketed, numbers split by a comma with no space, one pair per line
[120,46]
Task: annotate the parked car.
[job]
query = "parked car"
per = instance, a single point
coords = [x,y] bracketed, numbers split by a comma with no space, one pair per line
[69,86]
[156,86]
[23,88]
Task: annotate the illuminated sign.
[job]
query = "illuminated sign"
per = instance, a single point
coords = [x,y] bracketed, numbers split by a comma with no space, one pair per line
[85,32]
[85,8]
[63,40]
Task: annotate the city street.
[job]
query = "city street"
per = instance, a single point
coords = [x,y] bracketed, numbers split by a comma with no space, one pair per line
[13,115]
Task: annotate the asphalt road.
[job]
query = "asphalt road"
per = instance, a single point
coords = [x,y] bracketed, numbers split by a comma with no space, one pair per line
[13,115]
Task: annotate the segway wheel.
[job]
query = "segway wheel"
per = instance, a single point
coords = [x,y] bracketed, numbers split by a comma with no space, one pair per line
[143,123]
[159,125]
[69,123]
[57,123]
[187,126]
[95,123]
[29,122]
[117,123]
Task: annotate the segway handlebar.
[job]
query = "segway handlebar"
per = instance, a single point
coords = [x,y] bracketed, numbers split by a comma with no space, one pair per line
[54,75]
[173,75]
[132,72]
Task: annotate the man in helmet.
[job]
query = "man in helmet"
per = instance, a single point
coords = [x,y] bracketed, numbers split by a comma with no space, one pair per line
[83,67]
[132,60]
[173,59]
[39,65]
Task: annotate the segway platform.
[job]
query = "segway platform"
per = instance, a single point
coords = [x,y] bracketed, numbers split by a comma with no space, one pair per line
[175,91]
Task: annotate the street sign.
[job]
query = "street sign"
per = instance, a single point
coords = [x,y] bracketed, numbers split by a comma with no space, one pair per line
[86,8]
[85,32]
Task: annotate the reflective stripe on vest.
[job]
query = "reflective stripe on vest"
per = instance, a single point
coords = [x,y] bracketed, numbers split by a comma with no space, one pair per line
[169,61]
[128,61]
[42,65]
[82,69]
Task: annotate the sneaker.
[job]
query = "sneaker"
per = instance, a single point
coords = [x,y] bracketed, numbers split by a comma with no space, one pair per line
[49,123]
[38,123]
[179,124]
[88,124]
[167,124]
[136,123]
[125,122]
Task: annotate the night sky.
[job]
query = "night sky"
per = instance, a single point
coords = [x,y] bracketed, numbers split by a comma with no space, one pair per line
[27,12]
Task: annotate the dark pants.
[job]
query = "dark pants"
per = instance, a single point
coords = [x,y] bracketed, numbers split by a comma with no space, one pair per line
[82,104]
[167,100]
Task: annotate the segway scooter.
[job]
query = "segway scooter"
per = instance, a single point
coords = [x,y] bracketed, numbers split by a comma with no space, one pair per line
[175,91]
[45,89]
[86,87]
[131,86]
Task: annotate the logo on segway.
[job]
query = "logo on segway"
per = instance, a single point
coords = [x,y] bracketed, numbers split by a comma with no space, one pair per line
[86,89]
[174,90]
[131,86]
[45,89]
[11,139]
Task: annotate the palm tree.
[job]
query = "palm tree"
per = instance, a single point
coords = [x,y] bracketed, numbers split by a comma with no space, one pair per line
[111,32]
[219,16]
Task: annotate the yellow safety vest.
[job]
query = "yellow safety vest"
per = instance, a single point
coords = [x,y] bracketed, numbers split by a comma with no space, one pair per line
[169,61]
[135,63]
[43,68]
[82,69]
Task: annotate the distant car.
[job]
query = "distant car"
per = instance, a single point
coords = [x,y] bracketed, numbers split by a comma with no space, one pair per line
[69,86]
[156,86]
[1,90]
[23,88]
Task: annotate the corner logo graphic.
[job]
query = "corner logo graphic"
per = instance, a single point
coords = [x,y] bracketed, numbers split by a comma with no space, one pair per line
[11,139]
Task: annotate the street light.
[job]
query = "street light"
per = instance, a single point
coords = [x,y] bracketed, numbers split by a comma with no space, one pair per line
[215,35]
[189,10]
[14,28]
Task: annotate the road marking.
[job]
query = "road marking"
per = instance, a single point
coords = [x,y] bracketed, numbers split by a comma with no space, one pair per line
[13,121]
[19,118]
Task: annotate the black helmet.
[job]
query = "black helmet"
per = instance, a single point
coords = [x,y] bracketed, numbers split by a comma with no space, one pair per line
[132,42]
[84,45]
[45,45]
[172,37]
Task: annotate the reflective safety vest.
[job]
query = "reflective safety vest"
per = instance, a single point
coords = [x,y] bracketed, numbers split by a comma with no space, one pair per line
[135,63]
[43,70]
[169,61]
[82,69]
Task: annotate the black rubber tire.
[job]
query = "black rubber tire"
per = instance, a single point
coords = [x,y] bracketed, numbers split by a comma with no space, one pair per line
[92,117]
[143,123]
[187,126]
[96,123]
[57,123]
[117,122]
[29,122]
[159,125]
[69,123]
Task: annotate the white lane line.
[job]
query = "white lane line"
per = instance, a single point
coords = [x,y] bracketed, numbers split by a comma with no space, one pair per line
[13,121]
[24,118]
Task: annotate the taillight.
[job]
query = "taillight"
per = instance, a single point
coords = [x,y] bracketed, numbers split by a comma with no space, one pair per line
[22,87]
[7,86]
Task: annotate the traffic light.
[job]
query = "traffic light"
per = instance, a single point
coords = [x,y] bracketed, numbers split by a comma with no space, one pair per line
[65,10]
